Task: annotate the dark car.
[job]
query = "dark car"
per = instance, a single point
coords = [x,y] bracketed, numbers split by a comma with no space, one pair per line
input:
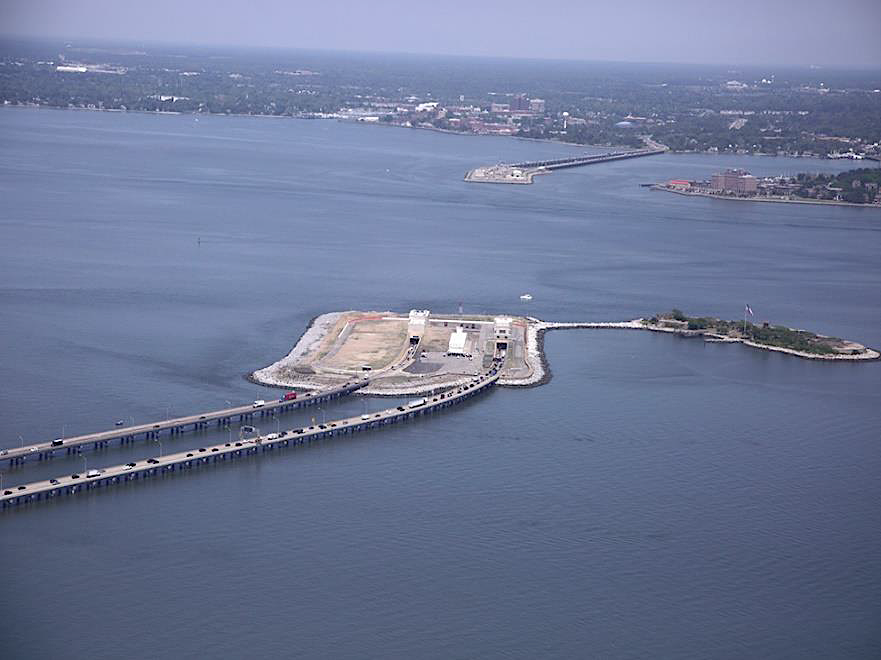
[152,460]
[401,408]
[202,417]
[238,444]
[214,449]
[189,455]
[202,449]
[54,482]
[7,492]
[22,487]
[74,476]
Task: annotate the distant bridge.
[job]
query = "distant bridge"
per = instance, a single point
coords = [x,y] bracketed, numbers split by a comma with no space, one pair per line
[577,161]
[523,173]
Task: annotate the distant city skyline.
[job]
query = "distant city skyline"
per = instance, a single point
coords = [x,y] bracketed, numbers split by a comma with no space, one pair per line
[748,32]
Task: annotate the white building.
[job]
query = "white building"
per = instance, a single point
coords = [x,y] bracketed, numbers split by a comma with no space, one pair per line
[458,340]
[502,327]
[417,322]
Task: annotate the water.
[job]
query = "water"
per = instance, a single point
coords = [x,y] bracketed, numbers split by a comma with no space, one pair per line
[659,497]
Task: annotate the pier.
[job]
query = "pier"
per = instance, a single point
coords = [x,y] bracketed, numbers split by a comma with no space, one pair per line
[202,456]
[175,426]
[523,173]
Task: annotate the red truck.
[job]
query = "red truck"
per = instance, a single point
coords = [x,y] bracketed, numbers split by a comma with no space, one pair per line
[289,396]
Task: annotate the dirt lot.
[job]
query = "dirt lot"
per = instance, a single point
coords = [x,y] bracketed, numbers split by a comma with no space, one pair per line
[375,343]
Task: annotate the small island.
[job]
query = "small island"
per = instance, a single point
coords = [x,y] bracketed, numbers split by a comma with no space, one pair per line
[857,187]
[801,343]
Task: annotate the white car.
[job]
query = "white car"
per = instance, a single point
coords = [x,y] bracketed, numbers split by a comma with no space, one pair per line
[259,403]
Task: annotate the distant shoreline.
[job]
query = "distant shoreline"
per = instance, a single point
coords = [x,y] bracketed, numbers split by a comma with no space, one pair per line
[778,200]
[575,145]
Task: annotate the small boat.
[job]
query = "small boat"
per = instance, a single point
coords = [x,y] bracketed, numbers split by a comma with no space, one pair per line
[525,296]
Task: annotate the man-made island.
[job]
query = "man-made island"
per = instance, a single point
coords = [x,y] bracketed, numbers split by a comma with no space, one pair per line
[858,187]
[421,352]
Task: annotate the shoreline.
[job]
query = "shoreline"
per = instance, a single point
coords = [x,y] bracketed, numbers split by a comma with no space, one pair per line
[37,106]
[817,202]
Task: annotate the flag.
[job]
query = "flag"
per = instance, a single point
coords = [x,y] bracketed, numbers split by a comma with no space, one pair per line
[748,310]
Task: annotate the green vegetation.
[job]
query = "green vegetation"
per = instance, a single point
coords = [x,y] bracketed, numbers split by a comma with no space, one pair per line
[859,186]
[765,334]
[686,107]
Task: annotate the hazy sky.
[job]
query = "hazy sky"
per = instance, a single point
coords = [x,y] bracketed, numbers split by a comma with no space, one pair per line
[824,32]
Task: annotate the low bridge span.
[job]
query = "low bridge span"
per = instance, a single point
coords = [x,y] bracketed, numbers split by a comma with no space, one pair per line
[176,425]
[194,458]
[576,161]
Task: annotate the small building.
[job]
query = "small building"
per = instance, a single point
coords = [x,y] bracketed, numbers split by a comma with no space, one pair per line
[679,184]
[458,340]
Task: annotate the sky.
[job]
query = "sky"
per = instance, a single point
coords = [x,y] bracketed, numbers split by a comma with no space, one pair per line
[839,33]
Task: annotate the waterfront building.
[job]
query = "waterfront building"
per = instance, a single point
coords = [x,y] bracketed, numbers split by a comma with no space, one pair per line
[735,181]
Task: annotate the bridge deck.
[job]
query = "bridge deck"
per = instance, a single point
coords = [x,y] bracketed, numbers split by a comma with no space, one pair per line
[178,424]
[587,160]
[70,484]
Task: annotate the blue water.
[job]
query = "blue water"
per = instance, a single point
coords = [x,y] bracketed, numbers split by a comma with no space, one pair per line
[658,498]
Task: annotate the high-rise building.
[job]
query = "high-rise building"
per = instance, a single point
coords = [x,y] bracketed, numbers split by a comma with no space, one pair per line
[736,181]
[537,106]
[520,103]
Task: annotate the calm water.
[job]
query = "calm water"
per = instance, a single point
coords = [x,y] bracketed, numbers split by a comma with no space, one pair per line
[659,498]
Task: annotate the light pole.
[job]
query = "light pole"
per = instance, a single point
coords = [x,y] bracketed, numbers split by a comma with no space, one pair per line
[85,463]
[229,433]
[278,424]
[22,441]
[159,442]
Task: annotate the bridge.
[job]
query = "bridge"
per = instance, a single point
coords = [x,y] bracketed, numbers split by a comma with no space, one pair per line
[525,172]
[576,161]
[195,458]
[176,425]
